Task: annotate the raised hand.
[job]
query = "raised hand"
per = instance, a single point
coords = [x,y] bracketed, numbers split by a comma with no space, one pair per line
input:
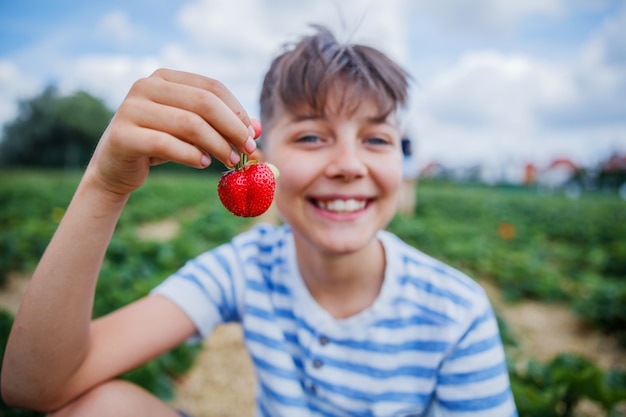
[170,116]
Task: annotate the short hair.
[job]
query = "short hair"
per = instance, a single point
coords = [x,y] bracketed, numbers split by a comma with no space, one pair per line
[302,76]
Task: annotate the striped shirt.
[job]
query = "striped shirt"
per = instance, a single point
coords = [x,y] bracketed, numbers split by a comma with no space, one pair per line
[428,346]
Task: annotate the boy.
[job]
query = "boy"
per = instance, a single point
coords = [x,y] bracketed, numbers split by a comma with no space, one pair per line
[340,317]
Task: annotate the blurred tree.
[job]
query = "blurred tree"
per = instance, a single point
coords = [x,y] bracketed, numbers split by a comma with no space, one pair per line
[52,131]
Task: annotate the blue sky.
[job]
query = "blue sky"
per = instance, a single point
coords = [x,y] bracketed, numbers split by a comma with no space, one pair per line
[496,81]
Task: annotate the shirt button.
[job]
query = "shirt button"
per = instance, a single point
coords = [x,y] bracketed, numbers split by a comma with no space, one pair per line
[317,363]
[312,389]
[323,340]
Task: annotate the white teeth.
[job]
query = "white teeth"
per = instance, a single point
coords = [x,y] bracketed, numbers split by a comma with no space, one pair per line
[342,206]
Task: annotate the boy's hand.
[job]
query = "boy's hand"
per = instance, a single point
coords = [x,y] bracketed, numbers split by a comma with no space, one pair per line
[170,116]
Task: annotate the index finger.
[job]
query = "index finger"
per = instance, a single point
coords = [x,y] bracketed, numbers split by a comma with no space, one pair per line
[205,83]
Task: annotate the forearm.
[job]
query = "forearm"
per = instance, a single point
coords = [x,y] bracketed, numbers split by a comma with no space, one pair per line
[50,336]
[169,116]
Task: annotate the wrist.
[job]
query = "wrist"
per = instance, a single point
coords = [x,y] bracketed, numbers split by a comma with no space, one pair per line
[104,197]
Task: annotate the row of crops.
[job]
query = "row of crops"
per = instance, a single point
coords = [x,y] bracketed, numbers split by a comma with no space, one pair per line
[531,246]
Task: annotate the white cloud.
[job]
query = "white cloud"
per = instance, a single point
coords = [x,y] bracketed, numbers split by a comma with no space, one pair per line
[259,28]
[235,42]
[118,27]
[489,89]
[14,85]
[494,118]
[489,17]
[223,26]
[108,77]
[230,41]
[600,73]
[481,105]
[490,106]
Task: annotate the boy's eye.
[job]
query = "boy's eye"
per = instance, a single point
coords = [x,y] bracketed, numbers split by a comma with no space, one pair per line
[377,141]
[308,139]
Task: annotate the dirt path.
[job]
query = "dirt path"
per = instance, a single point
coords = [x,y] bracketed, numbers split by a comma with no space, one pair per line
[222,382]
[13,291]
[544,330]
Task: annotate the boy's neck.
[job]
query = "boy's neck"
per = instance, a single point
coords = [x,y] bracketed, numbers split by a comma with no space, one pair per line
[345,284]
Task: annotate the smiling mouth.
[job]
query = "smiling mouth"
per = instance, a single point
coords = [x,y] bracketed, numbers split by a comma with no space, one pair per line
[341,206]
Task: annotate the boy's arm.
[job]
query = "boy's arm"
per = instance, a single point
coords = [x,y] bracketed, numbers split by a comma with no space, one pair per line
[54,352]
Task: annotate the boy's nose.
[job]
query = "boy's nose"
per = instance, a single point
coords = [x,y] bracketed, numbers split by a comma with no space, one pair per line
[346,162]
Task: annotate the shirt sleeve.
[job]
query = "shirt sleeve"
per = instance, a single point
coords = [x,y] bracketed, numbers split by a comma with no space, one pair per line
[206,289]
[473,380]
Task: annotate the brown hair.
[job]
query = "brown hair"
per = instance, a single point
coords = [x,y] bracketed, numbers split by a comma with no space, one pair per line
[301,78]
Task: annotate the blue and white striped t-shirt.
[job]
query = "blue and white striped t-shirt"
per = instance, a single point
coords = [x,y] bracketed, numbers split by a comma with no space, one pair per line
[429,344]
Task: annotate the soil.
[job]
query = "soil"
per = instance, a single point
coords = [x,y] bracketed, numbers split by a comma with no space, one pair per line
[544,330]
[222,382]
[160,231]
[13,290]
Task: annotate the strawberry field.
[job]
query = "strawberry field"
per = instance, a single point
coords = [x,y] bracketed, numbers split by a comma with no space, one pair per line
[530,246]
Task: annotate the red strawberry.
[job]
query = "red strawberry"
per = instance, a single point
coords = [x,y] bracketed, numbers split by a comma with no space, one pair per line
[248,189]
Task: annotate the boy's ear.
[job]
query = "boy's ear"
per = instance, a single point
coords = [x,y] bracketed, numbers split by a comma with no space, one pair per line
[258,155]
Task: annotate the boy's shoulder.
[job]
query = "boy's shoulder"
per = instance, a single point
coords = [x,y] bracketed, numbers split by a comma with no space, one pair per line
[431,281]
[416,261]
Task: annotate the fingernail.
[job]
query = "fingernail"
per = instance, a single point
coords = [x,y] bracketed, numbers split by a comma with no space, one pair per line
[250,145]
[234,157]
[205,161]
[251,131]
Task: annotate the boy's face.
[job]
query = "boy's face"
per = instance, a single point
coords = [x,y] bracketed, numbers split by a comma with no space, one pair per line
[339,176]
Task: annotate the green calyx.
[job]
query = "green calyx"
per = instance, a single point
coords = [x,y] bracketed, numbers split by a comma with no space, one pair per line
[244,161]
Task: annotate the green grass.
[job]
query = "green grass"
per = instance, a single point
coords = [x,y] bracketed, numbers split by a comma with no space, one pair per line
[530,245]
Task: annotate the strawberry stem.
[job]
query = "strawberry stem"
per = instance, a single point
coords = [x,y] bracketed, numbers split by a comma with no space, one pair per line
[243,161]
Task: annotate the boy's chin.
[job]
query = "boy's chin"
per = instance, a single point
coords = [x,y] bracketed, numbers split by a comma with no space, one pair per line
[341,243]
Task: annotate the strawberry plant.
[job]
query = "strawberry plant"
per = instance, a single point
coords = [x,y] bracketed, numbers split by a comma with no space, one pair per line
[555,388]
[544,247]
